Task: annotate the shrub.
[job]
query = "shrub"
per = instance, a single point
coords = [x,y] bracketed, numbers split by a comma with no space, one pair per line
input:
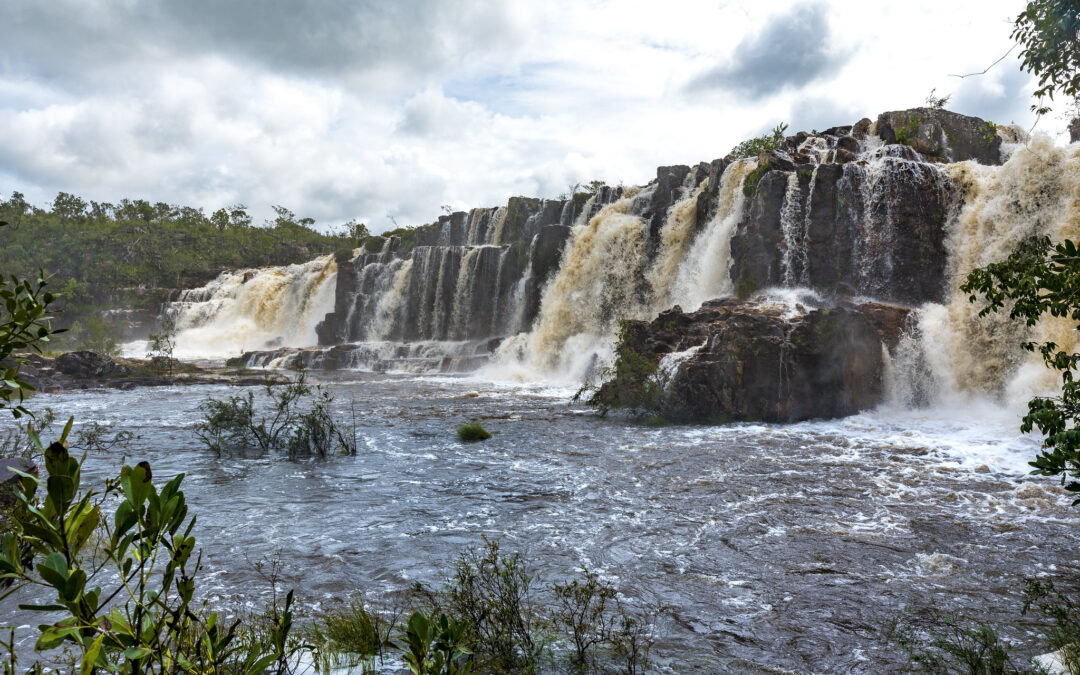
[144,621]
[752,179]
[582,609]
[436,646]
[491,592]
[233,424]
[352,631]
[766,142]
[472,432]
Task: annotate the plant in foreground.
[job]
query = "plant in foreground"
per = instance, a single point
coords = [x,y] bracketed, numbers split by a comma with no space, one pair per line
[144,621]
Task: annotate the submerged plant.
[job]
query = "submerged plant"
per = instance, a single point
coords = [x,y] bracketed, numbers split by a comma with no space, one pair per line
[234,425]
[471,432]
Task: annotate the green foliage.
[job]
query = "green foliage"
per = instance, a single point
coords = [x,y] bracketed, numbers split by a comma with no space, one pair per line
[1063,611]
[436,646]
[490,591]
[1047,32]
[583,608]
[987,132]
[472,432]
[145,620]
[766,142]
[1042,278]
[352,634]
[95,334]
[943,644]
[635,381]
[129,254]
[24,325]
[937,102]
[908,132]
[161,346]
[750,183]
[298,422]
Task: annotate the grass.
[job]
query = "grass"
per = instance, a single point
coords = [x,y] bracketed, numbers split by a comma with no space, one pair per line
[472,432]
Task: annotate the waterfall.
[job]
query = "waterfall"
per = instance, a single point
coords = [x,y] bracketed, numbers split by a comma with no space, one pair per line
[390,304]
[598,283]
[703,272]
[953,353]
[792,224]
[254,309]
[676,237]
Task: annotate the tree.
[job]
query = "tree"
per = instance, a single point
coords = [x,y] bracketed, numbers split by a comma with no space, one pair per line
[1049,33]
[1041,278]
[24,324]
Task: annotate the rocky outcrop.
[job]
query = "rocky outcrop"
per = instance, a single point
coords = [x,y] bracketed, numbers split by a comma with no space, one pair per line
[754,360]
[876,223]
[942,135]
[87,364]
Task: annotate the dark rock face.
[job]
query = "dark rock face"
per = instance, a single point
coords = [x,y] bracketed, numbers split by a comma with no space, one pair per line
[88,364]
[753,360]
[879,227]
[942,134]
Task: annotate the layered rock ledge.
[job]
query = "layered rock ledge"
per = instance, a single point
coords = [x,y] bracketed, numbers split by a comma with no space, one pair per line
[755,359]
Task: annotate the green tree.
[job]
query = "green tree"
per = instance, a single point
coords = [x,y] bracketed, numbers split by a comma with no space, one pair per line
[1041,278]
[1048,32]
[24,325]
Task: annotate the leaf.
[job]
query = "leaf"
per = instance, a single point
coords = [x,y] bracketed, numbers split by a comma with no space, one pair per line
[90,658]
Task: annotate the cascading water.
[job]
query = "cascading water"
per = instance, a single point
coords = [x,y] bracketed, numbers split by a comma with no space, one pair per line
[254,309]
[549,281]
[1036,192]
[703,272]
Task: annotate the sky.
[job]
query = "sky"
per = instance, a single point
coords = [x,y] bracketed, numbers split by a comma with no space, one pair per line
[387,111]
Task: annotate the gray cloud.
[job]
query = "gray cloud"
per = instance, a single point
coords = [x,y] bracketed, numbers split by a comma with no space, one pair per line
[820,112]
[1003,95]
[793,49]
[366,40]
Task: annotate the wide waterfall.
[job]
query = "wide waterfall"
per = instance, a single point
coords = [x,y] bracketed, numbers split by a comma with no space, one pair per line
[536,289]
[254,309]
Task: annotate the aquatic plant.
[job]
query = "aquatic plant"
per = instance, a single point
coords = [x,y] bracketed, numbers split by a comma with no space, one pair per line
[491,592]
[472,432]
[298,422]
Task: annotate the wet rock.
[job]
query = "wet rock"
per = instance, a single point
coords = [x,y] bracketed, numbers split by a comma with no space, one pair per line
[88,364]
[9,480]
[752,360]
[941,133]
[774,159]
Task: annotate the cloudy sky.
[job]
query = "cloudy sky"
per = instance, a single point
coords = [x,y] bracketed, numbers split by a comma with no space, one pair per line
[380,109]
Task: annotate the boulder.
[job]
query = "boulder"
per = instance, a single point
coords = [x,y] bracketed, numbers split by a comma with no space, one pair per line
[87,364]
[755,359]
[942,134]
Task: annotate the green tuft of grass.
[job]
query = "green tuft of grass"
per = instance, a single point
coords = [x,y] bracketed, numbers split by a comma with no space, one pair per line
[468,433]
[656,421]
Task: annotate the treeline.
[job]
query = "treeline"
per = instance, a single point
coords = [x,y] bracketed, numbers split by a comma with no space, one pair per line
[131,254]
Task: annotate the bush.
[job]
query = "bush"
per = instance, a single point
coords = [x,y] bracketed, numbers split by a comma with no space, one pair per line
[233,425]
[766,142]
[144,621]
[351,631]
[472,432]
[491,592]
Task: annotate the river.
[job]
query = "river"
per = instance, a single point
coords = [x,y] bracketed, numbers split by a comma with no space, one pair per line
[776,546]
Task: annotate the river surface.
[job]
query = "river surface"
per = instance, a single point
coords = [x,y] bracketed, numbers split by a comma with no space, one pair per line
[777,547]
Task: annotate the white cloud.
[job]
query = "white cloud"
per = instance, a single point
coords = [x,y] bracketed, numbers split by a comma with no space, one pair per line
[374,109]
